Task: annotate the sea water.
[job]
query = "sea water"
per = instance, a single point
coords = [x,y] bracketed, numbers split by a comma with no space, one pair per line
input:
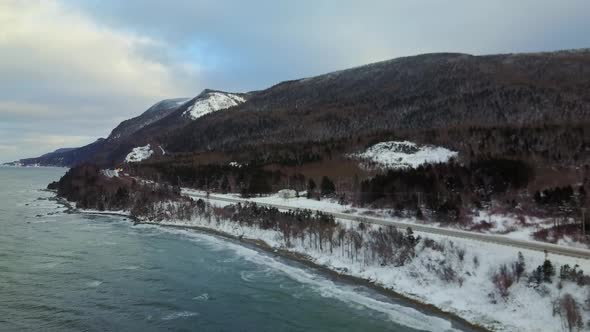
[80,272]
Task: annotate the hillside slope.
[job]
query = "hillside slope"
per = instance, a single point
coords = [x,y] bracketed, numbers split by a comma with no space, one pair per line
[432,91]
[412,93]
[156,122]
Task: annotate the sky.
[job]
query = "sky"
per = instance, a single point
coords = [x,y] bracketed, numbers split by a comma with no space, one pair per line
[71,70]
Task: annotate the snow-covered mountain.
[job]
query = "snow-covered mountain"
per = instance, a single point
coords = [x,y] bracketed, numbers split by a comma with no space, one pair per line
[146,129]
[409,94]
[211,101]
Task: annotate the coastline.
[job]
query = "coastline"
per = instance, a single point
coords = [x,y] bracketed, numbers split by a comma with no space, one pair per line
[430,309]
[456,321]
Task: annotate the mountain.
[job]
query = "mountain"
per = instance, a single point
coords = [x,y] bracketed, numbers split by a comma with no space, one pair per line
[70,157]
[156,133]
[65,157]
[161,118]
[439,92]
[153,114]
[430,91]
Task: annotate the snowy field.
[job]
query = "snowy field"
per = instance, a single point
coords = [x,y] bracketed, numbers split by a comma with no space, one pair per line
[139,153]
[402,154]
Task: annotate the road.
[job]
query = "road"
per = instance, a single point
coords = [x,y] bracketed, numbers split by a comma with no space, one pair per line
[495,239]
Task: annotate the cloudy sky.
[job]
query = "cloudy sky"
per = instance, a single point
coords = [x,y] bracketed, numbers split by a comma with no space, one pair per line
[71,70]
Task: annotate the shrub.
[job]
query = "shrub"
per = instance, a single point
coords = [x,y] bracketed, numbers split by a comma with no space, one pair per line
[569,311]
[566,273]
[519,267]
[503,279]
[461,254]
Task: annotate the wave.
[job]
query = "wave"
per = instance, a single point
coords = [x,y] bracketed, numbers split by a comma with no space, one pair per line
[202,297]
[46,265]
[94,283]
[131,267]
[180,314]
[400,314]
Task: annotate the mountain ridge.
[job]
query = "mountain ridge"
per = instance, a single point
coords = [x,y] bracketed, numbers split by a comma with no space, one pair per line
[427,91]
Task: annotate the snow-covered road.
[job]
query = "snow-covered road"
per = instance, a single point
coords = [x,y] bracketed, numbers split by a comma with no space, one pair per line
[496,239]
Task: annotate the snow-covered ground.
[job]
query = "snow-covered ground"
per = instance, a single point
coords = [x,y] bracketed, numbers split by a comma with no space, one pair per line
[213,101]
[517,226]
[139,153]
[471,294]
[403,154]
[508,225]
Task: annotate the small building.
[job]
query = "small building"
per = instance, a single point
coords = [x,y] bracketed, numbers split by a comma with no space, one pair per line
[287,193]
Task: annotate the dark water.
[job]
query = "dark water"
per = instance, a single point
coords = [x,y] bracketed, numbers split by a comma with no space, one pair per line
[74,272]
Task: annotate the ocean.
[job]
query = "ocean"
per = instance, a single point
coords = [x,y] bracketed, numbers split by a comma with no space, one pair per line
[81,272]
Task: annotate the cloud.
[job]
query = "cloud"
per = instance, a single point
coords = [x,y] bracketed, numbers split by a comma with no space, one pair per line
[261,42]
[78,67]
[49,46]
[62,71]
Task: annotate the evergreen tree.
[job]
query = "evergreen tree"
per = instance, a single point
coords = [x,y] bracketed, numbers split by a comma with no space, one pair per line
[537,275]
[356,188]
[327,187]
[412,240]
[548,271]
[310,188]
[225,184]
[564,271]
[259,184]
[519,266]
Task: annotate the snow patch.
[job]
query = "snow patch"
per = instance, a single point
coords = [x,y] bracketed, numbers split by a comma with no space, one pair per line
[139,153]
[403,154]
[214,101]
[110,173]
